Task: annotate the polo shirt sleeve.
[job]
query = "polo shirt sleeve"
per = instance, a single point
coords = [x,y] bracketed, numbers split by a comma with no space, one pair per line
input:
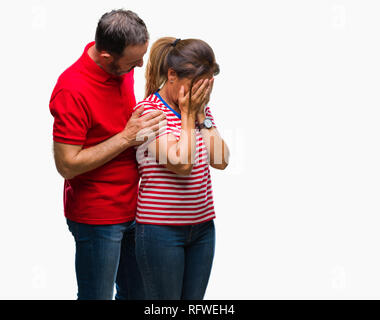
[71,119]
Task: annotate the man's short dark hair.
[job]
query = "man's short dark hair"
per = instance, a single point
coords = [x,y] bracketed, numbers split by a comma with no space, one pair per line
[118,29]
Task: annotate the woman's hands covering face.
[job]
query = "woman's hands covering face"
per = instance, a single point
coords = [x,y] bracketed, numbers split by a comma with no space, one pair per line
[200,95]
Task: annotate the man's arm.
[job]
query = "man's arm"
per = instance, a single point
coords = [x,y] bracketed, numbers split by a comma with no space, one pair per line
[72,160]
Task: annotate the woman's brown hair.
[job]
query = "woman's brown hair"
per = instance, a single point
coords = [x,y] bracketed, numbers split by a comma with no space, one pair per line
[189,58]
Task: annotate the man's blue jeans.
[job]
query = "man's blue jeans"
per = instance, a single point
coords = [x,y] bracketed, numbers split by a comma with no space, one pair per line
[105,255]
[175,261]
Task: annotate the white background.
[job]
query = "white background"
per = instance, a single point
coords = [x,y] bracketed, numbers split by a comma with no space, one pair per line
[297,100]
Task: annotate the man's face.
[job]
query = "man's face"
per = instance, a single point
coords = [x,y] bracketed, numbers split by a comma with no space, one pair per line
[131,57]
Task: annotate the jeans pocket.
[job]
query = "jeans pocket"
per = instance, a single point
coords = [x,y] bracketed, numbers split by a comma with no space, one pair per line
[80,231]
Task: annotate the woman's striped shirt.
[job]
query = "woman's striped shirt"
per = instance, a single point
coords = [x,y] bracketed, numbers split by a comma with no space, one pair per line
[166,198]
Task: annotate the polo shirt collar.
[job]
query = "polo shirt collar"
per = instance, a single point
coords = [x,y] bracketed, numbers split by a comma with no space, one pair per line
[93,69]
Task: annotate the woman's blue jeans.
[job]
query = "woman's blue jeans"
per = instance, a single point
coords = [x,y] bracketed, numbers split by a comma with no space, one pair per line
[105,255]
[175,261]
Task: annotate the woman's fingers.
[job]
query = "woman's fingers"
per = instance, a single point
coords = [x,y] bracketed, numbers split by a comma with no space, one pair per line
[209,89]
[211,84]
[199,93]
[182,97]
[183,100]
[196,86]
[181,94]
[207,93]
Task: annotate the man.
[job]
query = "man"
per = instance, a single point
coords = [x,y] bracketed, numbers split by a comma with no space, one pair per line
[94,136]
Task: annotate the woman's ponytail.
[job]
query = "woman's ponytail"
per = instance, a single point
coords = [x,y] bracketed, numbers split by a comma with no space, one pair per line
[156,69]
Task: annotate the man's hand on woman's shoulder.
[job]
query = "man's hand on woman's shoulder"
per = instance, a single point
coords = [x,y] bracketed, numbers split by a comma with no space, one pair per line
[140,128]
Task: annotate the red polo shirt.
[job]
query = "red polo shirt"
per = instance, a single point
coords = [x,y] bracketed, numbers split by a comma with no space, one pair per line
[89,106]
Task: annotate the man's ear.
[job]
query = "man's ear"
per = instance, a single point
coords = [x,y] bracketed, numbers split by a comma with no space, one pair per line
[105,56]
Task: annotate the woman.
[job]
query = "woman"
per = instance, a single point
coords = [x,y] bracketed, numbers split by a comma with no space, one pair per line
[175,235]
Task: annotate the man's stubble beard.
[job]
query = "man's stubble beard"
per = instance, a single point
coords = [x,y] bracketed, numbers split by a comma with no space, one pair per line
[115,69]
